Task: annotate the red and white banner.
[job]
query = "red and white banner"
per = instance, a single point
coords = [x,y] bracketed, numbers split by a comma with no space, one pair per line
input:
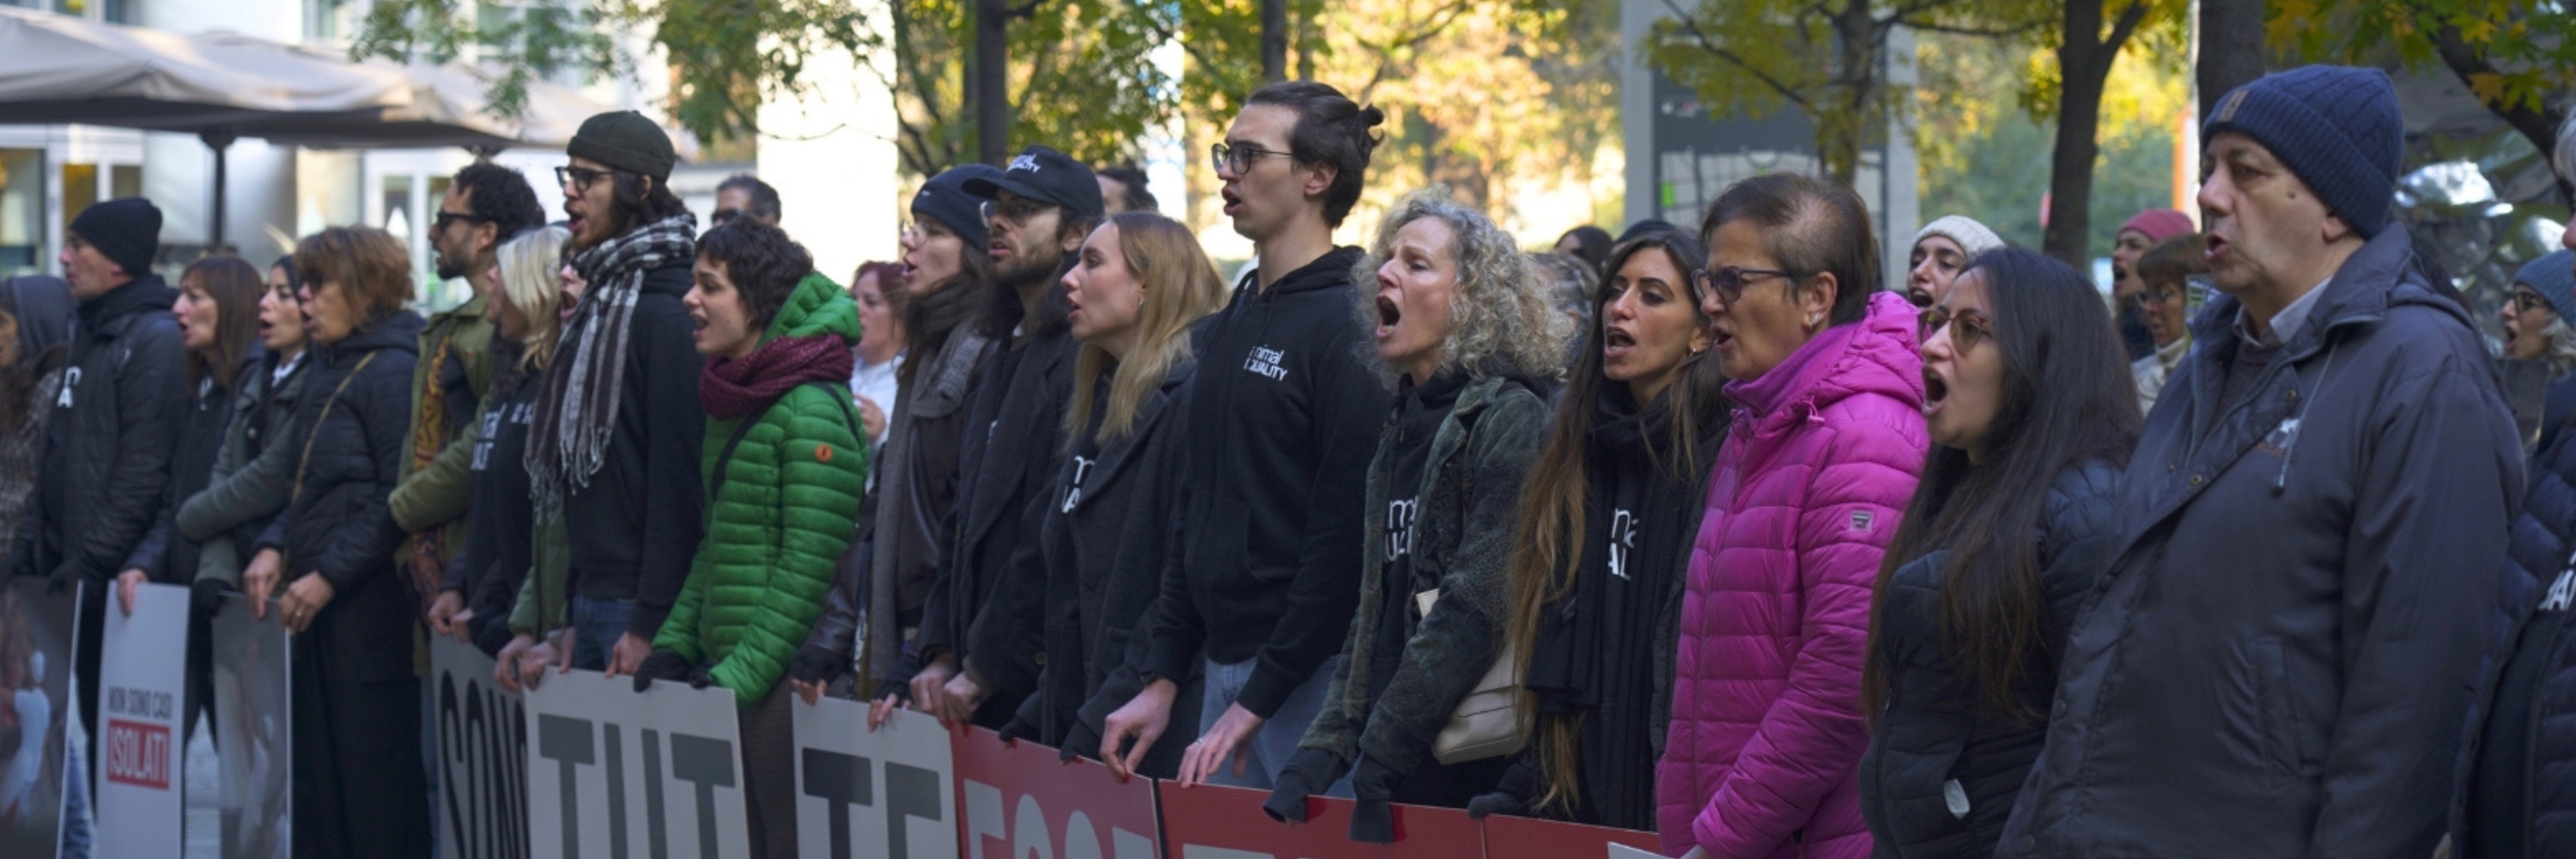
[1524,838]
[1022,799]
[142,684]
[1210,822]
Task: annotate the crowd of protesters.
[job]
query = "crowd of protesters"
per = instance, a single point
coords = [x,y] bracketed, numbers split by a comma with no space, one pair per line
[1701,529]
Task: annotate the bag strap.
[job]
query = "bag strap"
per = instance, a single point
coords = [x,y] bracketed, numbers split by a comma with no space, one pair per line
[304,462]
[724,458]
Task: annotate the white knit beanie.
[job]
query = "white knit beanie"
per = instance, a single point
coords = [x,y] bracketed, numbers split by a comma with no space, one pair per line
[1972,237]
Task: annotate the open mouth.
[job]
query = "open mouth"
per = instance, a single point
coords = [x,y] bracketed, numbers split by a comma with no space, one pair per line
[1233,203]
[1387,316]
[2217,246]
[1934,390]
[1000,250]
[1617,340]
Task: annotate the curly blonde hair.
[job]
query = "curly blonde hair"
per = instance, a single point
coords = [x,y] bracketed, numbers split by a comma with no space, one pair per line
[1500,313]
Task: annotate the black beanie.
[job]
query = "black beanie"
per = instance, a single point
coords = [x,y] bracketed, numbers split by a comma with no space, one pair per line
[2337,127]
[627,141]
[127,231]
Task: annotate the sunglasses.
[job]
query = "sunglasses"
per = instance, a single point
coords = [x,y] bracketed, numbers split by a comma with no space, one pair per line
[1728,281]
[1238,158]
[578,177]
[444,218]
[1017,210]
[724,216]
[1969,330]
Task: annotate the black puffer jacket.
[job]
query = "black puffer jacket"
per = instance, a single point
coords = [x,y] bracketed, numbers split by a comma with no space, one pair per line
[2516,785]
[165,554]
[349,439]
[107,465]
[1941,771]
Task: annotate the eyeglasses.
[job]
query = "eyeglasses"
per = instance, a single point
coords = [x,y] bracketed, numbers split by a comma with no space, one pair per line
[578,177]
[1971,329]
[2526,302]
[1238,158]
[445,217]
[1729,281]
[724,216]
[1017,210]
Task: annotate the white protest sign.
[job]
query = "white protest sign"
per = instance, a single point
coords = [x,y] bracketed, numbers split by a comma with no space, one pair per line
[143,669]
[613,772]
[882,793]
[482,733]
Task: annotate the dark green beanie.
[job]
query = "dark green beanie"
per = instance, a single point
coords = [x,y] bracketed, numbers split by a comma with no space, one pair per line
[627,141]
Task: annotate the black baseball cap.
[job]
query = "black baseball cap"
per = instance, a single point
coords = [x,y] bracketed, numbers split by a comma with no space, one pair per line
[1047,176]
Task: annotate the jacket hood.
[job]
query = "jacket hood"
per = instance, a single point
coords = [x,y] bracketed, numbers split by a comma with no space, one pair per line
[1876,355]
[140,295]
[399,331]
[815,306]
[2381,275]
[1330,270]
[43,306]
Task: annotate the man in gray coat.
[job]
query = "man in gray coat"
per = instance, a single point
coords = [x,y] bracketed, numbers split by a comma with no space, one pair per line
[2284,649]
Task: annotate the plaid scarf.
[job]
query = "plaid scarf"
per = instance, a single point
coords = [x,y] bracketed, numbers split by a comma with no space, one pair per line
[577,405]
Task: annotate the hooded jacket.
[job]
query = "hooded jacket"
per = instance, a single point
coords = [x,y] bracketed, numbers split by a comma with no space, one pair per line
[2515,792]
[1766,735]
[1286,414]
[634,527]
[355,413]
[787,508]
[2308,587]
[1942,770]
[252,472]
[166,555]
[43,309]
[111,434]
[1461,540]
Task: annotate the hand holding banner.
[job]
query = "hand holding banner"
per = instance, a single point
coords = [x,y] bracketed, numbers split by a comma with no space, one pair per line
[1211,822]
[616,772]
[1023,798]
[881,793]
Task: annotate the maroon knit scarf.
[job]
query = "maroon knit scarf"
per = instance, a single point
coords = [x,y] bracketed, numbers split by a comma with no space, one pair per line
[732,388]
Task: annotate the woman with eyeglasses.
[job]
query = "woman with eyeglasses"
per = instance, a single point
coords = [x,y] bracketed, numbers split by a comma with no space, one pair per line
[1827,438]
[2164,301]
[1986,573]
[357,705]
[2536,329]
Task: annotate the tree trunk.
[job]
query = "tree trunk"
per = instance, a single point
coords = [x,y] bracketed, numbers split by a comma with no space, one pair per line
[1841,134]
[2231,48]
[990,90]
[2084,57]
[1274,40]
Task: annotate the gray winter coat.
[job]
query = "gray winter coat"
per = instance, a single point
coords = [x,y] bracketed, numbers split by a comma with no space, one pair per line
[1464,538]
[2286,641]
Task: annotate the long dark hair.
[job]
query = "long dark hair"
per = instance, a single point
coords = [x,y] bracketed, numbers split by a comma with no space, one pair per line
[1553,498]
[235,287]
[931,316]
[2068,399]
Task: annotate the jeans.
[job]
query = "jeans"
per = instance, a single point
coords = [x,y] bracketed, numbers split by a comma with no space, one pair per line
[77,833]
[596,626]
[1272,746]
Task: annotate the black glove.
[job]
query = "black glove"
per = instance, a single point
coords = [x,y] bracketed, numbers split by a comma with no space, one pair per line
[61,580]
[662,665]
[206,596]
[1081,740]
[700,679]
[1017,729]
[1309,772]
[1373,821]
[1511,797]
[899,690]
[490,636]
[813,664]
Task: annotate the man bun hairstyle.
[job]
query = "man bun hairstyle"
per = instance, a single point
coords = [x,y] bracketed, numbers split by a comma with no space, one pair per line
[763,263]
[1332,130]
[1810,227]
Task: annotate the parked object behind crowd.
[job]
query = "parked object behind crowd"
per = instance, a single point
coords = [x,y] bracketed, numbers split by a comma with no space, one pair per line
[2007,533]
[1941,250]
[1606,522]
[1828,434]
[360,789]
[2166,273]
[2279,661]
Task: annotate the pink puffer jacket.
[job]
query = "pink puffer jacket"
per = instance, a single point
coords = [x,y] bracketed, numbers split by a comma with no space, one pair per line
[1764,752]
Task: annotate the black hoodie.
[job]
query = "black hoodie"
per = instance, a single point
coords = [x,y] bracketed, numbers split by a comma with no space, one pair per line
[1265,560]
[634,529]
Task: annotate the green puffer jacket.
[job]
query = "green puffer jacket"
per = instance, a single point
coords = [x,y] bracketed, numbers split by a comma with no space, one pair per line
[787,511]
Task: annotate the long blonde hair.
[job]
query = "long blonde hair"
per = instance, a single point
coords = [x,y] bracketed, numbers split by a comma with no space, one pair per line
[528,264]
[1180,286]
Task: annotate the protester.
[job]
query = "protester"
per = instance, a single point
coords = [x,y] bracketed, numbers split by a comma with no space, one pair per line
[613,447]
[1038,213]
[1606,520]
[254,463]
[2166,271]
[360,789]
[2142,231]
[486,205]
[946,274]
[878,290]
[218,316]
[1941,250]
[2023,372]
[504,542]
[2510,798]
[1138,293]
[2279,660]
[1570,284]
[1827,440]
[1469,332]
[1263,577]
[743,195]
[1588,243]
[35,322]
[1122,189]
[784,495]
[2536,329]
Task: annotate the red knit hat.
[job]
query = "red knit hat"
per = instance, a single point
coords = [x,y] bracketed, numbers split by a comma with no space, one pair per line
[2158,224]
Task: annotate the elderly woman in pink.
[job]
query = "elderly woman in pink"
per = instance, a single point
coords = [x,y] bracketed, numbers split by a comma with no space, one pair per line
[1766,738]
